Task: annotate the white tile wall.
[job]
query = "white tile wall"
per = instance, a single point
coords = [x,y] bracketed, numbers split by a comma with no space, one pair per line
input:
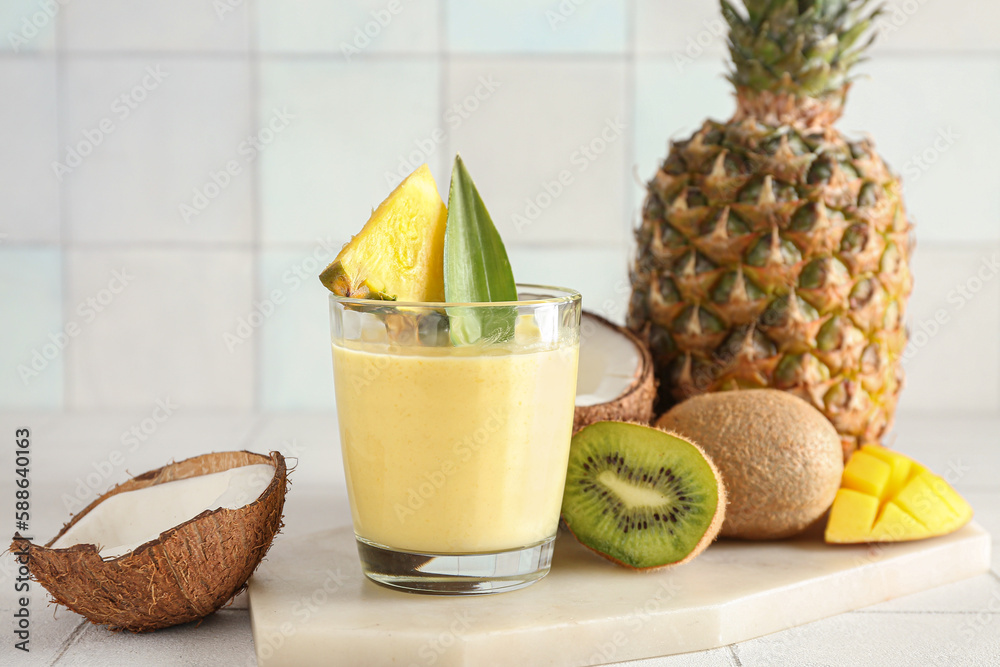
[296,370]
[313,441]
[32,340]
[547,148]
[104,448]
[156,25]
[174,331]
[599,274]
[950,366]
[352,124]
[530,26]
[680,29]
[672,100]
[511,85]
[933,119]
[29,189]
[349,29]
[26,26]
[158,139]
[689,28]
[970,465]
[922,25]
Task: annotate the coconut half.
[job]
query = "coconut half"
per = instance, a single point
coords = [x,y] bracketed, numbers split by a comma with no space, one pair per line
[615,380]
[167,547]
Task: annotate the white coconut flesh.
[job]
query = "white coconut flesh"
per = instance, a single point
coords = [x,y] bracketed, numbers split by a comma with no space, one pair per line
[127,520]
[609,364]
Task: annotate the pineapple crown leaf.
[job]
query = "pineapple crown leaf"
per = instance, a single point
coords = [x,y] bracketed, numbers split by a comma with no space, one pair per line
[799,47]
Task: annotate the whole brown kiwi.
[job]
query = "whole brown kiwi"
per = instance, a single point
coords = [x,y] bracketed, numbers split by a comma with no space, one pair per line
[780,458]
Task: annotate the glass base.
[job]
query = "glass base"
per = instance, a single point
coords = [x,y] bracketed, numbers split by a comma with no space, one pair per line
[455,574]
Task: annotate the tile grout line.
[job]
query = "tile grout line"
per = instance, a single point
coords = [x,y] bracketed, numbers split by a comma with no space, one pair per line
[912,612]
[174,244]
[257,288]
[444,72]
[734,655]
[61,137]
[302,244]
[631,92]
[237,54]
[68,643]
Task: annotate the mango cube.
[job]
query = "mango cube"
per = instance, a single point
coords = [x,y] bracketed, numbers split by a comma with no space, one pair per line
[899,464]
[888,497]
[852,513]
[919,500]
[895,525]
[867,474]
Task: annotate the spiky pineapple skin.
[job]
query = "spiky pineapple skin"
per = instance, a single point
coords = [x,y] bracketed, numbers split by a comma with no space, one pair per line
[776,256]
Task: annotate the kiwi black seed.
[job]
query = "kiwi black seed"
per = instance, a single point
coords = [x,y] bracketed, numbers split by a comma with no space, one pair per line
[640,496]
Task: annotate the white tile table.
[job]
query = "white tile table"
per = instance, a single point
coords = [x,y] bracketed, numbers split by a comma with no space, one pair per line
[956,624]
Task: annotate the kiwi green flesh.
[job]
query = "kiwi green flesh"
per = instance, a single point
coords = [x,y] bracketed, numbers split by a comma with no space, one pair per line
[637,495]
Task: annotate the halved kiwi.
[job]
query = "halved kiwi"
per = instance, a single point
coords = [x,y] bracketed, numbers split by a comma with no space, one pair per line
[641,497]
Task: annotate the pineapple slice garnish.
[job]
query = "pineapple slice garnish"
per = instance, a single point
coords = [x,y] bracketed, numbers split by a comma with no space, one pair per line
[399,254]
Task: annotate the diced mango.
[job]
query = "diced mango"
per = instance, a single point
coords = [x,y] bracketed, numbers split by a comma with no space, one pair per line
[853,513]
[899,464]
[895,525]
[867,474]
[888,497]
[918,499]
[950,496]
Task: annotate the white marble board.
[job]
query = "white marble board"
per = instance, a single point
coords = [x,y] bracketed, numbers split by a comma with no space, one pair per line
[310,604]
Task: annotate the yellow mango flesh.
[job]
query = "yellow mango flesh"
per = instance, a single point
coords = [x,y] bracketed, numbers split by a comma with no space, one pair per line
[898,464]
[887,497]
[918,499]
[867,474]
[894,525]
[399,254]
[852,513]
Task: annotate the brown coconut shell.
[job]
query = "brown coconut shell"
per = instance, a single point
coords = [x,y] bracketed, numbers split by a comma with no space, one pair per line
[636,403]
[185,574]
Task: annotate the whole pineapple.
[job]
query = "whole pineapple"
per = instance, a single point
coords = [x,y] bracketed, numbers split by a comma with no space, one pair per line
[773,252]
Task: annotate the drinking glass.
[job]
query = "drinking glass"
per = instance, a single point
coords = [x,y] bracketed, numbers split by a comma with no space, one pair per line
[455,424]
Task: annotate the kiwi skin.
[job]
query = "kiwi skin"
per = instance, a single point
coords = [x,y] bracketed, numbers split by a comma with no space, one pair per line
[711,532]
[781,459]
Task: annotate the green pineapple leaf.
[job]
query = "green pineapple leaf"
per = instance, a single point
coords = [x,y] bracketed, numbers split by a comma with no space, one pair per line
[476,268]
[799,47]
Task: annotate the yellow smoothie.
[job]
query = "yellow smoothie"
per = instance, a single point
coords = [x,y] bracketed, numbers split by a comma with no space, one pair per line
[455,450]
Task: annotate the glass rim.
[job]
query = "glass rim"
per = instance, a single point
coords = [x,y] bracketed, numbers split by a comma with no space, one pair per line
[568,296]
